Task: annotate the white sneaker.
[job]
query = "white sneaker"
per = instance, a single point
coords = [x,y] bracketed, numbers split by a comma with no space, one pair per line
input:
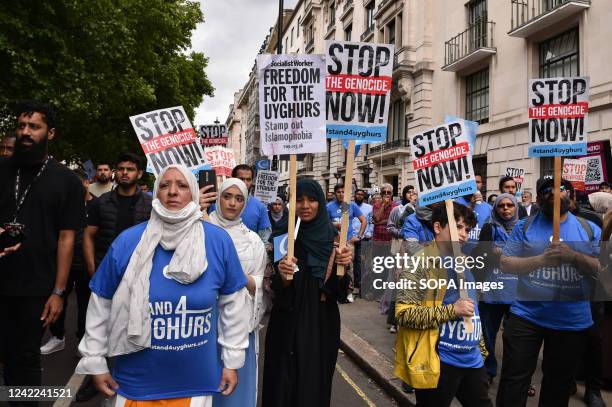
[54,344]
[393,329]
[350,298]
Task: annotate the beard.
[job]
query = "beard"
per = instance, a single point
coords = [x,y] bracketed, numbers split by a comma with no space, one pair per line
[102,179]
[33,154]
[548,207]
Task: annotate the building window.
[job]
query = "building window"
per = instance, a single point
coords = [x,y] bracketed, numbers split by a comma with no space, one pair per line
[292,37]
[398,121]
[329,143]
[348,32]
[391,32]
[370,15]
[477,11]
[559,55]
[477,96]
[286,48]
[332,14]
[299,24]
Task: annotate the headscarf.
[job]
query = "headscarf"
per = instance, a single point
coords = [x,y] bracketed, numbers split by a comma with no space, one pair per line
[181,231]
[601,201]
[317,236]
[507,225]
[217,216]
[278,216]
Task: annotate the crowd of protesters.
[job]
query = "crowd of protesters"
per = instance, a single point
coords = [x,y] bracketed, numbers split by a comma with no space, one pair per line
[172,284]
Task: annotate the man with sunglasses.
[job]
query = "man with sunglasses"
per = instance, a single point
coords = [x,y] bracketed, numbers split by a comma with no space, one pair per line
[551,307]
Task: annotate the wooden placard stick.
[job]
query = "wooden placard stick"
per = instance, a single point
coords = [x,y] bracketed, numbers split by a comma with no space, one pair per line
[292,198]
[452,224]
[557,200]
[348,183]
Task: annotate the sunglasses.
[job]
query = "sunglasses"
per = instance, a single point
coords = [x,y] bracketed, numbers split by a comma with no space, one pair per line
[506,205]
[386,193]
[549,190]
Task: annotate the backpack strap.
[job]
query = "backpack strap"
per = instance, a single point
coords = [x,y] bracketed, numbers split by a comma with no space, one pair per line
[527,223]
[586,226]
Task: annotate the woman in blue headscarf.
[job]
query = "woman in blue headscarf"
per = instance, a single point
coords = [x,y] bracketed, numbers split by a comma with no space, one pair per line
[495,303]
[304,330]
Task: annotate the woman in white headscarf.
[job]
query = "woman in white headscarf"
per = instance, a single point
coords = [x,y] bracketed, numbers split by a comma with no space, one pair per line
[231,202]
[167,300]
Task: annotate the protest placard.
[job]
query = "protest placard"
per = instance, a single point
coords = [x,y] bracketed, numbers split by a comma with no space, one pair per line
[358,87]
[167,137]
[575,171]
[518,174]
[442,163]
[292,103]
[266,184]
[213,134]
[221,159]
[558,109]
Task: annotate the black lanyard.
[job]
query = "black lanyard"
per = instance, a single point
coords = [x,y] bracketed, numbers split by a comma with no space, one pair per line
[19,201]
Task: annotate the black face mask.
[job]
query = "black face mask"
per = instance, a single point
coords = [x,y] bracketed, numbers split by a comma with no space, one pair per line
[29,155]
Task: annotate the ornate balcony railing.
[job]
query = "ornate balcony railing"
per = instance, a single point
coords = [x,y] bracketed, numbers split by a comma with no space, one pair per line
[525,11]
[403,142]
[367,32]
[478,35]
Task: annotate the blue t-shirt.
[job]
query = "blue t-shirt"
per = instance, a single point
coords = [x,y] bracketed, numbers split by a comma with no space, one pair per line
[553,283]
[183,360]
[255,215]
[457,347]
[334,210]
[414,229]
[366,211]
[482,212]
[495,275]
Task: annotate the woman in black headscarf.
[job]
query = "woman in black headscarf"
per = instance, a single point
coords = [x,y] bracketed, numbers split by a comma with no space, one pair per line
[303,333]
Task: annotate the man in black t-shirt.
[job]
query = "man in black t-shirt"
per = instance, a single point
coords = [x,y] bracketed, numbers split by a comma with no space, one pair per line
[115,211]
[78,280]
[44,199]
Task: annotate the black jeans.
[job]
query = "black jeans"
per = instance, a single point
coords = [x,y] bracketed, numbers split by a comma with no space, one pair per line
[80,280]
[20,338]
[593,356]
[522,343]
[468,385]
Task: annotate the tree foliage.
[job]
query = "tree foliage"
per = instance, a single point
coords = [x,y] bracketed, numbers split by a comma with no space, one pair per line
[99,62]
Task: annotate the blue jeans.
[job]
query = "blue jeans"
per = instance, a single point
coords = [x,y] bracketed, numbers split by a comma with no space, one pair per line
[491,316]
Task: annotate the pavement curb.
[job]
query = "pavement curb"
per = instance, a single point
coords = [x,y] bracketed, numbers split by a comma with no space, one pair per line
[375,364]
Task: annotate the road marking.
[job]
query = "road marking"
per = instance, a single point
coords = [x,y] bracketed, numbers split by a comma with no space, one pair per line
[74,383]
[358,390]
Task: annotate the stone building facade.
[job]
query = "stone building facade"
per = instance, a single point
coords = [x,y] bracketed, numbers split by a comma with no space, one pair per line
[468,59]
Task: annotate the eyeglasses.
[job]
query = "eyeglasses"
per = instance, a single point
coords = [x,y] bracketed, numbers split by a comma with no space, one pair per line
[549,190]
[507,205]
[386,193]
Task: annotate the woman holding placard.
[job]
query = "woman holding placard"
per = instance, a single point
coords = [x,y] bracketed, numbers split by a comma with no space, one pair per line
[167,301]
[230,204]
[304,330]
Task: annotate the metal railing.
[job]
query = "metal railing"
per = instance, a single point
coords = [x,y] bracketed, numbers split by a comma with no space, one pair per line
[478,35]
[367,32]
[402,142]
[523,11]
